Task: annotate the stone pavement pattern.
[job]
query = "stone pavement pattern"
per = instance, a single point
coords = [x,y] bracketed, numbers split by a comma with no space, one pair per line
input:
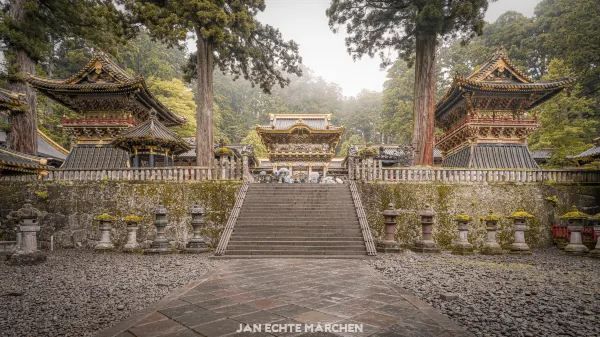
[292,291]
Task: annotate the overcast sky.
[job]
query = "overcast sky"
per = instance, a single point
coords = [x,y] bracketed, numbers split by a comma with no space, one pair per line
[324,52]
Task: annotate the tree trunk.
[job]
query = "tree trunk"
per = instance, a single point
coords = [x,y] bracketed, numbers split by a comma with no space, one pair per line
[23,130]
[204,109]
[424,99]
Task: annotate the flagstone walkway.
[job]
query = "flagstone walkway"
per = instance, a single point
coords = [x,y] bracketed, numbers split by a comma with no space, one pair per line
[293,293]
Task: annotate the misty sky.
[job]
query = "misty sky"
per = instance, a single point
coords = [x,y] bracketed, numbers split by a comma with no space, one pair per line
[324,52]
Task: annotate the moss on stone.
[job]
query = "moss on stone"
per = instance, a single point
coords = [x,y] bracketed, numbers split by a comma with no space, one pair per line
[574,214]
[520,214]
[104,217]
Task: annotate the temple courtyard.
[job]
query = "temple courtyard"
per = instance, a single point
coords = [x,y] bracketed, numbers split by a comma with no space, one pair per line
[83,293]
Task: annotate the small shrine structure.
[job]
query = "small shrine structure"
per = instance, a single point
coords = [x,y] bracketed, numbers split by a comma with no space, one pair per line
[486,117]
[108,101]
[151,144]
[302,143]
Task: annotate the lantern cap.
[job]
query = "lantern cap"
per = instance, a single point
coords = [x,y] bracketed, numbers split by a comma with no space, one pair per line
[132,218]
[160,209]
[574,214]
[26,212]
[520,214]
[197,209]
[491,216]
[104,217]
[427,211]
[390,210]
[462,217]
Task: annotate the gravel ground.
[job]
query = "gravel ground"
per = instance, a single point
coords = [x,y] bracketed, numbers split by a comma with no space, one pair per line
[79,292]
[545,294]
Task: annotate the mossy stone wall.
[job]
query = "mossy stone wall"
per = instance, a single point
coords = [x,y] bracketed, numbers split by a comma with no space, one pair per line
[70,207]
[545,202]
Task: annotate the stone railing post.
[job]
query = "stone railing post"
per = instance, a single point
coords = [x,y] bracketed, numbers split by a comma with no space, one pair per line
[105,227]
[389,243]
[160,245]
[132,222]
[491,246]
[247,151]
[575,220]
[520,246]
[461,245]
[197,243]
[426,244]
[27,252]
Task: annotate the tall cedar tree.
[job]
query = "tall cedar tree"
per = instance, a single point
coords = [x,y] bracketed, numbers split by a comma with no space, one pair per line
[30,29]
[227,36]
[411,27]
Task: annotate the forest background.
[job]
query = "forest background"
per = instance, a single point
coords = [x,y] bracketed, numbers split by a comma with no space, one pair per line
[562,39]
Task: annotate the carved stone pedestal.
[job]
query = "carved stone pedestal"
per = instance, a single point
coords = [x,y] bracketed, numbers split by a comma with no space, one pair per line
[161,244]
[520,246]
[575,221]
[491,246]
[132,244]
[461,245]
[27,252]
[105,241]
[426,244]
[596,251]
[197,244]
[389,243]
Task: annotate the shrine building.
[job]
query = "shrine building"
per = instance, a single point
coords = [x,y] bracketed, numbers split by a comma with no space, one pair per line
[302,143]
[486,117]
[109,101]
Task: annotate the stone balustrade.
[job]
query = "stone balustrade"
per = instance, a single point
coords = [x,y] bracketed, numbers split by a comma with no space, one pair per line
[372,170]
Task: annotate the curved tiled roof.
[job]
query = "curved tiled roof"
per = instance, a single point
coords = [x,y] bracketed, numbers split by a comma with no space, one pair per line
[88,156]
[152,132]
[15,161]
[286,122]
[102,75]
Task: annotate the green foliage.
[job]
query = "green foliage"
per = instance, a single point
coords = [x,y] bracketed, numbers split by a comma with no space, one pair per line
[368,152]
[252,138]
[375,27]
[42,194]
[352,140]
[520,214]
[133,219]
[179,98]
[223,151]
[568,121]
[46,23]
[397,110]
[242,46]
[104,217]
[574,214]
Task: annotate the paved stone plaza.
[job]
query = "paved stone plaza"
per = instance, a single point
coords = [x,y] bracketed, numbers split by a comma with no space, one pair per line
[298,292]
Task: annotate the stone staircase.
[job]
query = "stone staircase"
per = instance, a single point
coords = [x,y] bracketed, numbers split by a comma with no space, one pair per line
[295,220]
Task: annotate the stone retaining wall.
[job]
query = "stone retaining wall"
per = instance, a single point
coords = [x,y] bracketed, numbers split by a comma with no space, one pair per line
[70,207]
[545,202]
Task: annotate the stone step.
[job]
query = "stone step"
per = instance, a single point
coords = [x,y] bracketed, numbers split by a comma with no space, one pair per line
[248,238]
[300,232]
[233,247]
[298,217]
[291,252]
[304,243]
[308,257]
[292,224]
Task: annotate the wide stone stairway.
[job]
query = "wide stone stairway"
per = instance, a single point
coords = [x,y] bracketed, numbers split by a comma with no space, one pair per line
[297,220]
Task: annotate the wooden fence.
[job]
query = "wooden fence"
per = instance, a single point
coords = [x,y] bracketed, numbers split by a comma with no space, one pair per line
[372,170]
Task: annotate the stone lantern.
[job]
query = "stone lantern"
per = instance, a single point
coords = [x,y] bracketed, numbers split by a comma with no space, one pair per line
[105,227]
[491,246]
[132,222]
[161,244]
[27,252]
[462,245]
[596,251]
[389,243]
[519,246]
[197,243]
[575,220]
[426,244]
